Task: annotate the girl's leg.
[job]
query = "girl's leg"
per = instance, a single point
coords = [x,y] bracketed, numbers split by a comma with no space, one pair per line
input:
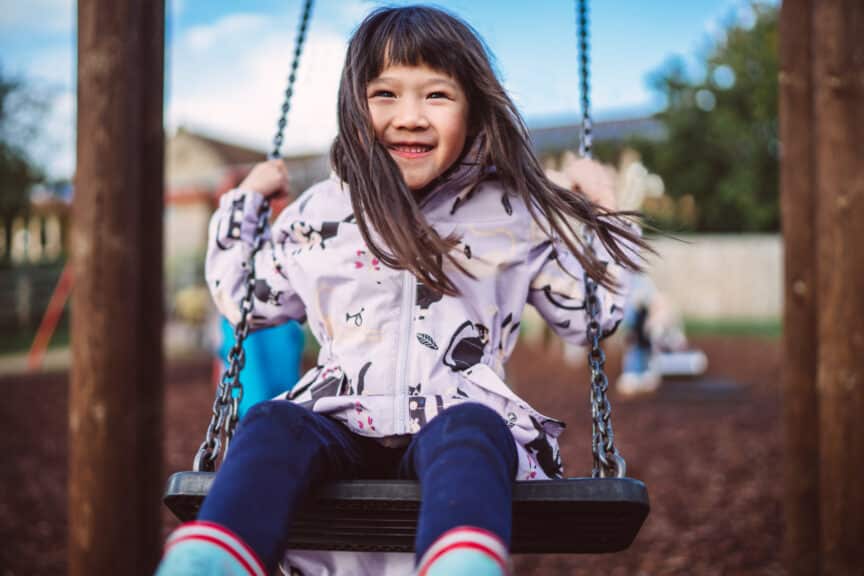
[279,452]
[465,460]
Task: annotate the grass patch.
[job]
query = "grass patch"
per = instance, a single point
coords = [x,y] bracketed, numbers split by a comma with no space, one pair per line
[18,341]
[763,328]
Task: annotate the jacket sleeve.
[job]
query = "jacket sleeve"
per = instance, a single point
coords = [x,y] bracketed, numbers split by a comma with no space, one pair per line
[229,245]
[558,291]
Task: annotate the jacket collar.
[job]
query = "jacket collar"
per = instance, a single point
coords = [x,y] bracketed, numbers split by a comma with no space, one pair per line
[461,178]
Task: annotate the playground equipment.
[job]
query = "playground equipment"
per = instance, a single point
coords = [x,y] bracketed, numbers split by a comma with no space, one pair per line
[602,513]
[655,344]
[50,319]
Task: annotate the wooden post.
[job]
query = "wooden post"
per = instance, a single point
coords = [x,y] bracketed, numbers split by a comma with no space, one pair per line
[800,316]
[838,85]
[115,417]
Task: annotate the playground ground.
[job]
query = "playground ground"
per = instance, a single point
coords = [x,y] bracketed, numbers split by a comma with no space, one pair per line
[710,452]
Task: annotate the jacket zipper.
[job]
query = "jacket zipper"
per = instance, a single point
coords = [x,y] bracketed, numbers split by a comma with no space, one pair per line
[409,295]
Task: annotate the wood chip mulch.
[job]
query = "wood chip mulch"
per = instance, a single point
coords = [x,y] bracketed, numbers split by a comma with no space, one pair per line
[709,450]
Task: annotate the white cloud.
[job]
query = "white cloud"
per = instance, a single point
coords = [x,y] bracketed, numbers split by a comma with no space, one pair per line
[51,143]
[58,138]
[176,8]
[351,12]
[234,88]
[55,66]
[49,77]
[38,15]
[228,78]
[202,38]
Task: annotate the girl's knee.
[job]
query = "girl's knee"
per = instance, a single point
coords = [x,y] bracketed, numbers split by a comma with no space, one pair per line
[279,415]
[295,432]
[275,410]
[475,416]
[474,421]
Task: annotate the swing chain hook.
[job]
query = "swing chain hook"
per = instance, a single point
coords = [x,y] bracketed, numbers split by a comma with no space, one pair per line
[608,462]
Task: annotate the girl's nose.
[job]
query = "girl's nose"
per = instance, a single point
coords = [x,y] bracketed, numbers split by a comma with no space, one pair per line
[410,116]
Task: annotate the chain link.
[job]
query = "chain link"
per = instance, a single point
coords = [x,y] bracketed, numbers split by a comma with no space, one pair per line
[292,77]
[608,462]
[229,393]
[586,139]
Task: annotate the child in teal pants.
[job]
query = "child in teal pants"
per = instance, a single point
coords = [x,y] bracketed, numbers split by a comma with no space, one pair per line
[273,357]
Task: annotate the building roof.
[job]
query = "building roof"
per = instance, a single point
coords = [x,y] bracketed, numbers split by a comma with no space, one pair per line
[230,154]
[550,139]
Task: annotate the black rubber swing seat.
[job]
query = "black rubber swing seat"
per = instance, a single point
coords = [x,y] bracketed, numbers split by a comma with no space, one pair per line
[575,515]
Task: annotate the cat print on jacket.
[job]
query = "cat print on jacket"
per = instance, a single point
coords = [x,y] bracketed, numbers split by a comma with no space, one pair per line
[394,353]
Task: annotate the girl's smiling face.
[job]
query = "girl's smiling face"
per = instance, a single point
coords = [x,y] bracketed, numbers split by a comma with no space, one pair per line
[421,116]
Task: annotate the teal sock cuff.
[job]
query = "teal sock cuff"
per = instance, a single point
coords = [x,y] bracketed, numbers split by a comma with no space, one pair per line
[205,549]
[199,558]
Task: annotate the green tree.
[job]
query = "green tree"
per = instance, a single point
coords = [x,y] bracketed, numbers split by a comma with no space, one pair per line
[722,145]
[19,109]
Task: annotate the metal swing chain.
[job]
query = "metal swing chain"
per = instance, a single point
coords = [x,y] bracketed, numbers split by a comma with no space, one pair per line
[292,77]
[226,406]
[608,462]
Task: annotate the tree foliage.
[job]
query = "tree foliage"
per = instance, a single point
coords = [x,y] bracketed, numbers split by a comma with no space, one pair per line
[19,110]
[722,145]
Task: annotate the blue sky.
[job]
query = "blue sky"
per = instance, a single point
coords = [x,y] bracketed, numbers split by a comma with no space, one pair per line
[227,60]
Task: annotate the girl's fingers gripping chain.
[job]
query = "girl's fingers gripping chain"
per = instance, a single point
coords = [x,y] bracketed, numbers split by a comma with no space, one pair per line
[594,179]
[270,179]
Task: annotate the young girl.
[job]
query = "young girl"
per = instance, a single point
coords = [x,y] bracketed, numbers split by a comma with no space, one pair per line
[412,265]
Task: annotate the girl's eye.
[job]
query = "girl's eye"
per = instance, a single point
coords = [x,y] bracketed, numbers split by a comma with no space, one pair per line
[439,95]
[382,94]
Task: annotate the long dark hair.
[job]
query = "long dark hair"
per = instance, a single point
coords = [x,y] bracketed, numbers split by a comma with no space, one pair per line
[380,198]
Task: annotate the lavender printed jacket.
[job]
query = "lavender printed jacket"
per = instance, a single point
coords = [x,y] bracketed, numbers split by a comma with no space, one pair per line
[394,353]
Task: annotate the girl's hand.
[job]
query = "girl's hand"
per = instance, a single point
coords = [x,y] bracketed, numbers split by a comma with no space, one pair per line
[595,180]
[270,179]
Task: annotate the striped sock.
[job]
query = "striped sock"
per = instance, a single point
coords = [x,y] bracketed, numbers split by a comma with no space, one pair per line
[208,549]
[465,550]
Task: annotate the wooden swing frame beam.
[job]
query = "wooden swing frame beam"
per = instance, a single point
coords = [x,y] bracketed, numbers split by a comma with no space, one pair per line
[115,400]
[822,186]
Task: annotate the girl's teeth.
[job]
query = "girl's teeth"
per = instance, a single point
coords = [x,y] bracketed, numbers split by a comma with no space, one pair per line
[414,149]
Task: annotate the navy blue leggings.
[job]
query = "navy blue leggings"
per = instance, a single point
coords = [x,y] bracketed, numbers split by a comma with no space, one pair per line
[465,460]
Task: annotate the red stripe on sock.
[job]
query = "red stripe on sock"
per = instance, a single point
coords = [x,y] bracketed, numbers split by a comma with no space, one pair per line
[474,546]
[220,544]
[472,529]
[234,537]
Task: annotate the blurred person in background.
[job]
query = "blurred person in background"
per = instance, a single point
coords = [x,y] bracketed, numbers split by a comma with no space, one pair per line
[273,358]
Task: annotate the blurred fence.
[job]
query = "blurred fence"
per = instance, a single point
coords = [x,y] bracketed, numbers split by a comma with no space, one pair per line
[721,277]
[708,278]
[24,295]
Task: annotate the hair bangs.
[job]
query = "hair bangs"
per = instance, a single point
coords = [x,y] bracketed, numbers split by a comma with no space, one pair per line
[415,36]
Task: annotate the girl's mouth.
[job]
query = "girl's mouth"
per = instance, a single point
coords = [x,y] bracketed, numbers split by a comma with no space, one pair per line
[410,151]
